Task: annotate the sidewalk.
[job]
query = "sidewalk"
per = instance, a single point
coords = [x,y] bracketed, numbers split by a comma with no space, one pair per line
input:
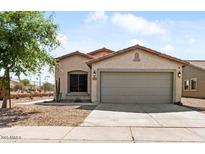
[100,134]
[31,102]
[37,101]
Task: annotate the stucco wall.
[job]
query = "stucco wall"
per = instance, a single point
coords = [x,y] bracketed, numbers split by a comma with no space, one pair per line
[66,65]
[147,61]
[192,72]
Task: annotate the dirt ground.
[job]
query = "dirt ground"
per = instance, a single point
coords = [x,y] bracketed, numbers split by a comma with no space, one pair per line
[40,115]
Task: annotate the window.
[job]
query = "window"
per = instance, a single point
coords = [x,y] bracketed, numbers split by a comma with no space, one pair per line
[78,82]
[186,84]
[193,83]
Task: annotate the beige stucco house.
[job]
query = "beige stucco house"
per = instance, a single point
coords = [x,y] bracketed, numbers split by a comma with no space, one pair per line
[194,79]
[133,75]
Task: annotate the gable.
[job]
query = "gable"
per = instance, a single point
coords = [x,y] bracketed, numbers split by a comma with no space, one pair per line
[138,47]
[74,60]
[137,59]
[74,54]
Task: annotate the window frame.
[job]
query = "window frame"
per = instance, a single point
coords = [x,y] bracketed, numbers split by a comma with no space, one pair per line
[185,84]
[193,79]
[78,73]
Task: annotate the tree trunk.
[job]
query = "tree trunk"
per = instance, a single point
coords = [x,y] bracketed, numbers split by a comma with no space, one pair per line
[5,88]
[9,84]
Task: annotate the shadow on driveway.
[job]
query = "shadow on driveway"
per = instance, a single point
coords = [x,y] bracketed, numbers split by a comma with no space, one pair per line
[142,108]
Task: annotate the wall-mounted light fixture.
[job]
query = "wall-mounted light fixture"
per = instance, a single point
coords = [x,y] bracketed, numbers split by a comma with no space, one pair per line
[179,74]
[94,75]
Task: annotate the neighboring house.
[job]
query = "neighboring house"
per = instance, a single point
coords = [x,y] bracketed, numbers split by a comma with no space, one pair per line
[133,75]
[194,79]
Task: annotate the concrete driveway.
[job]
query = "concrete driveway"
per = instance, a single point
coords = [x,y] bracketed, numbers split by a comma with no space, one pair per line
[145,115]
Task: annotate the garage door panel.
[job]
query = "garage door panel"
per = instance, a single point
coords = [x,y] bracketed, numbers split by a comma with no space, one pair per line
[136,87]
[136,99]
[135,91]
[135,83]
[141,76]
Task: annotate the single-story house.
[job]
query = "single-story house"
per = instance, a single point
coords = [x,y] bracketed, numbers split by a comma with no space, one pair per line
[194,79]
[133,75]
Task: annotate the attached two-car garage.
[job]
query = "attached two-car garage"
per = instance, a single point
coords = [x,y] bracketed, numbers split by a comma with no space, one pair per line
[136,87]
[136,75]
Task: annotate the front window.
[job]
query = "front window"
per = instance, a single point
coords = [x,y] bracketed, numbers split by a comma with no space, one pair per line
[193,84]
[186,84]
[78,82]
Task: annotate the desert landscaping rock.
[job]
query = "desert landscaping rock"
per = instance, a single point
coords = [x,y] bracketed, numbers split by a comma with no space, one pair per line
[38,115]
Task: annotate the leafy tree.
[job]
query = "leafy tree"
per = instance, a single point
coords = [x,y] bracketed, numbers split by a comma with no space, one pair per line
[25,41]
[25,82]
[47,86]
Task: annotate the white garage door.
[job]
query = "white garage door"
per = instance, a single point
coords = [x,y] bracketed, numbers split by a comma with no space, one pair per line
[136,87]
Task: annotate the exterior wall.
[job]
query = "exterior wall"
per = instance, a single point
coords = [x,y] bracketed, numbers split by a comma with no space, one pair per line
[147,62]
[190,72]
[99,54]
[73,63]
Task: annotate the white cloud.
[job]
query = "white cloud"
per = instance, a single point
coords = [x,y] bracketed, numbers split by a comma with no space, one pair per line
[97,16]
[168,48]
[191,41]
[137,25]
[63,39]
[136,41]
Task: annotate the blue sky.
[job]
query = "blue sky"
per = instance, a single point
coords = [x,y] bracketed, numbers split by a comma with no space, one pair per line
[180,34]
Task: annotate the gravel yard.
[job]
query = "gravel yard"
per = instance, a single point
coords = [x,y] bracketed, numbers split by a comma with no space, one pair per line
[38,115]
[194,103]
